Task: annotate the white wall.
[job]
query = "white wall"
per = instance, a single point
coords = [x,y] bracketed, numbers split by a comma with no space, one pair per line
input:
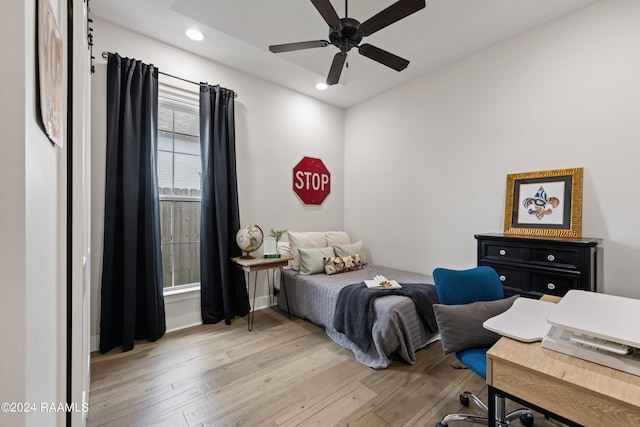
[564,95]
[275,128]
[32,248]
[13,222]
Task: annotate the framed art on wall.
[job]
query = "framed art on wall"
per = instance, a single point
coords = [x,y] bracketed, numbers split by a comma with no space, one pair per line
[50,73]
[546,203]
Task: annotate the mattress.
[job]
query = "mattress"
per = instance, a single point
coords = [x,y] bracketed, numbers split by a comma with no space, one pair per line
[398,330]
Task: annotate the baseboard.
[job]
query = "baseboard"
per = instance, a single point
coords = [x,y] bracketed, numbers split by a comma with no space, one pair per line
[185,321]
[193,318]
[94,341]
[263,302]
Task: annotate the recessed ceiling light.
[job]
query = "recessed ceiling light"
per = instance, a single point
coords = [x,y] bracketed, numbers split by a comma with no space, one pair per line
[321,86]
[194,34]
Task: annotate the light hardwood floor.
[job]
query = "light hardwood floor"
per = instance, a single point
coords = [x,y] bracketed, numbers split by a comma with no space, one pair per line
[286,372]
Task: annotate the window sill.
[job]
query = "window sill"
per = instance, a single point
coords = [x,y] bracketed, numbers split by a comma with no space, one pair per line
[173,295]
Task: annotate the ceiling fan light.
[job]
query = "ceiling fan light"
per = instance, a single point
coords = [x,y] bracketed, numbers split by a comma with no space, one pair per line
[194,34]
[321,86]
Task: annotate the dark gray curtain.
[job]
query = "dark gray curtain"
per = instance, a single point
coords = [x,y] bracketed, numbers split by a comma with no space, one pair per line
[132,304]
[222,286]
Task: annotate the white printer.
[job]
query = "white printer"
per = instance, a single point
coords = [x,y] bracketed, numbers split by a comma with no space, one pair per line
[600,328]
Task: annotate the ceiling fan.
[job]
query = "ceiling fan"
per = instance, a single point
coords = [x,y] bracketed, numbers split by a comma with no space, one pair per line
[346,33]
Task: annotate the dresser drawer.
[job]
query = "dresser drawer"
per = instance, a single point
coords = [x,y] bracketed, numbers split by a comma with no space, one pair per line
[553,284]
[503,252]
[512,278]
[567,257]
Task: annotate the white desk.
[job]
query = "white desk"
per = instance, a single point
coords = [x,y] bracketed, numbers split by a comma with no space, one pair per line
[510,323]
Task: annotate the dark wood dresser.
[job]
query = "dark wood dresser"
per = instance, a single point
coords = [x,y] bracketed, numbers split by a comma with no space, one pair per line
[533,265]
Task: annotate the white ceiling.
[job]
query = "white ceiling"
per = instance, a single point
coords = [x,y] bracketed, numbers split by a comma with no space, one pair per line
[239,32]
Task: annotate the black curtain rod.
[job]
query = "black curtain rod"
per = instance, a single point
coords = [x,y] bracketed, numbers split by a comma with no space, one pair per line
[105,55]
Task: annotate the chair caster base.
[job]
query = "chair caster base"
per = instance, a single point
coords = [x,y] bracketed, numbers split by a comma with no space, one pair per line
[527,419]
[464,399]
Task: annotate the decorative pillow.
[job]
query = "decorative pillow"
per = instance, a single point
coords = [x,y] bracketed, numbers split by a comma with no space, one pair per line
[312,260]
[355,248]
[461,325]
[304,240]
[342,264]
[337,238]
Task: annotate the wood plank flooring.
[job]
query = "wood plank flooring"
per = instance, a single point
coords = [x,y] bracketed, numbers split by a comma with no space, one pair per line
[286,372]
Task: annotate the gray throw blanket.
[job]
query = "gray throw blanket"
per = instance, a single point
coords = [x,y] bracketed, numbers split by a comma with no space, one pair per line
[354,314]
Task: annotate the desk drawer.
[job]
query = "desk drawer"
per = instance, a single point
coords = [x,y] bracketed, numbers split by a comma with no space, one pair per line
[568,257]
[553,284]
[557,395]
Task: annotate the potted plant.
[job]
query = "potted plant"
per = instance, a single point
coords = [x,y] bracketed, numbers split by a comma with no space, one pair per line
[277,234]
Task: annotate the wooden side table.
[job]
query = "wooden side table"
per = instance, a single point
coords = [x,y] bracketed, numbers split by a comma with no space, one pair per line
[253,265]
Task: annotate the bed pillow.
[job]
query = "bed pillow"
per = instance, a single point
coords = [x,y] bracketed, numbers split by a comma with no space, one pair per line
[312,260]
[337,238]
[355,248]
[304,240]
[341,264]
[461,325]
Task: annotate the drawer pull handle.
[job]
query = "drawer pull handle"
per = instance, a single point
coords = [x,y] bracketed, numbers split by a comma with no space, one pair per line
[503,278]
[551,257]
[503,252]
[551,286]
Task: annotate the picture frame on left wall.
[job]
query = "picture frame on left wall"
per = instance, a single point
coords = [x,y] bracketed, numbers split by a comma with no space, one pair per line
[50,78]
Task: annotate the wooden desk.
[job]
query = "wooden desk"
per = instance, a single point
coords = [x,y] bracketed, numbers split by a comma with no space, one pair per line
[572,390]
[253,265]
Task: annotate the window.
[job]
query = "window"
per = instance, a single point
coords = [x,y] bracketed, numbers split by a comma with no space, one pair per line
[179,182]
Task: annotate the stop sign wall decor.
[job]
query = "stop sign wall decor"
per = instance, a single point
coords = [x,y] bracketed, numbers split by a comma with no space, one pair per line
[311,181]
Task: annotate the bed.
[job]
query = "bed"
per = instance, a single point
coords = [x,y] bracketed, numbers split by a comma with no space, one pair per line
[398,330]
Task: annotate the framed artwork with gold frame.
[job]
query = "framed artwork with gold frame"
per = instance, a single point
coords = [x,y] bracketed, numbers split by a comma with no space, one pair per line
[546,203]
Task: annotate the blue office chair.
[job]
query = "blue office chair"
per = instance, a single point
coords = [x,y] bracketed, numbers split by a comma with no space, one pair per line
[455,287]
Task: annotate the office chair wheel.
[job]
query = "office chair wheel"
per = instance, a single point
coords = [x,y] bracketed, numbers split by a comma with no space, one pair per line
[464,399]
[440,425]
[527,419]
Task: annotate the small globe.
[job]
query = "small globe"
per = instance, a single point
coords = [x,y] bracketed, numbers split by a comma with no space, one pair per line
[249,239]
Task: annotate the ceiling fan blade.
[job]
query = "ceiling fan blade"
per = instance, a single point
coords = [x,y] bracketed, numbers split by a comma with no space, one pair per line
[383,57]
[288,47]
[395,12]
[328,12]
[336,68]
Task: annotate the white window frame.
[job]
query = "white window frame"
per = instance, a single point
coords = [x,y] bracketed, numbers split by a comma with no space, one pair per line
[180,98]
